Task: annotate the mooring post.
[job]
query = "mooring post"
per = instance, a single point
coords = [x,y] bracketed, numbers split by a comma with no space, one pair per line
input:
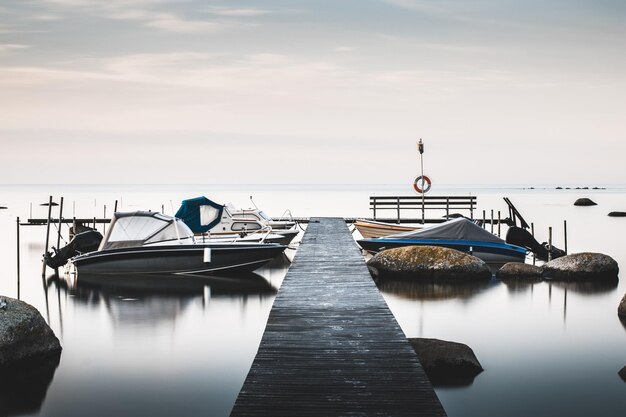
[373,202]
[484,220]
[104,225]
[94,223]
[498,223]
[73,233]
[447,208]
[18,258]
[549,243]
[60,223]
[43,268]
[565,234]
[532,231]
[115,208]
[491,221]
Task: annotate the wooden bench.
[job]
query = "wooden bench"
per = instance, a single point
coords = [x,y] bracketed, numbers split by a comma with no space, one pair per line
[402,204]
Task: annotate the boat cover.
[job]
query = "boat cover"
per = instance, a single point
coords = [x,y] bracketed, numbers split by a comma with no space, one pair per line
[140,228]
[457,229]
[200,214]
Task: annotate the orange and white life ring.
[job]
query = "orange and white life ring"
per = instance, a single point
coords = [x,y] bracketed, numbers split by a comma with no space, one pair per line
[419,181]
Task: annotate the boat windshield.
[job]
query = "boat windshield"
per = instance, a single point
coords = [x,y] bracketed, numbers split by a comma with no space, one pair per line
[143,228]
[264,216]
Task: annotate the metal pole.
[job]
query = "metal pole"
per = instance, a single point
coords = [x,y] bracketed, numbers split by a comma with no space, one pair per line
[104,225]
[565,234]
[549,243]
[421,151]
[18,258]
[43,268]
[398,208]
[115,209]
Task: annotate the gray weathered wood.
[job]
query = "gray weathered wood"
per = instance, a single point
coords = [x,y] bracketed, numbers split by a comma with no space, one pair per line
[332,346]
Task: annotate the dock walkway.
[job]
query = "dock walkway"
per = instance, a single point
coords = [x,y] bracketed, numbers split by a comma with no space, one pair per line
[331,346]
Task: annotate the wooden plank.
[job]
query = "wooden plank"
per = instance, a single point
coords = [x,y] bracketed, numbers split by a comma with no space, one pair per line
[332,346]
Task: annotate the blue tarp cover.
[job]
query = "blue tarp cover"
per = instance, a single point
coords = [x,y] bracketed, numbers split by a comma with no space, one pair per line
[190,213]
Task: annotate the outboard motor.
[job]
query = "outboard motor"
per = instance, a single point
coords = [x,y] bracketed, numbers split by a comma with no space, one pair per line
[521,237]
[81,243]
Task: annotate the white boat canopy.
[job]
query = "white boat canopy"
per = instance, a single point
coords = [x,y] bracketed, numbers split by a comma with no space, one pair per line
[141,228]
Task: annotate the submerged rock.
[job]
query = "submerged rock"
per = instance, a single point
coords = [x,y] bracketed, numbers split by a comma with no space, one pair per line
[520,271]
[24,334]
[581,266]
[428,262]
[585,202]
[621,309]
[617,214]
[446,363]
[622,373]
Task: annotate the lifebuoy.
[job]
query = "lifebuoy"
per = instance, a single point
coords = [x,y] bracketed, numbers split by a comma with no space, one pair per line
[419,180]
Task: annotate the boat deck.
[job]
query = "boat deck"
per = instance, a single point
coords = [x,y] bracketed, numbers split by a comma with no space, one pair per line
[331,346]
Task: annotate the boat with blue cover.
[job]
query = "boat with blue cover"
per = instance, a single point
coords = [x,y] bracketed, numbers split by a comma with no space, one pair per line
[461,234]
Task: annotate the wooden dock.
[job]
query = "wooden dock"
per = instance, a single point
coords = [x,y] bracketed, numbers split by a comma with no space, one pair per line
[331,346]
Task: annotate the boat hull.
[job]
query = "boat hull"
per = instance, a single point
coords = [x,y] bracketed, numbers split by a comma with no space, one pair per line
[491,253]
[372,229]
[177,259]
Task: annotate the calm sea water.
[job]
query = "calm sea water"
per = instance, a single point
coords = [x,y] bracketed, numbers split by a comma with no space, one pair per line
[547,349]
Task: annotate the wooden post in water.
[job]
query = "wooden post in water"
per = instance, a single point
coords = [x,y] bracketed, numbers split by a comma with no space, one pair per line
[94,223]
[565,234]
[549,243]
[498,223]
[532,231]
[484,220]
[104,225]
[448,208]
[59,224]
[491,221]
[18,258]
[43,268]
[115,208]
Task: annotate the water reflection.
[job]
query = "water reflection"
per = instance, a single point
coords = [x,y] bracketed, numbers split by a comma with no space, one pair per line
[588,287]
[429,290]
[23,387]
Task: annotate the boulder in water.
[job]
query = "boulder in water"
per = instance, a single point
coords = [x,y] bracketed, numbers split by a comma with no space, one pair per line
[581,266]
[24,334]
[428,262]
[519,271]
[585,202]
[617,214]
[621,309]
[446,363]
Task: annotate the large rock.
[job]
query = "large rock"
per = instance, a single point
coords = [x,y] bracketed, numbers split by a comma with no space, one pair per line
[617,214]
[518,271]
[621,309]
[446,363]
[585,202]
[24,334]
[581,266]
[622,373]
[428,262]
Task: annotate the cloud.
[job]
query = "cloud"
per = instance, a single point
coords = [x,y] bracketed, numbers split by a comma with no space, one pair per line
[7,47]
[238,12]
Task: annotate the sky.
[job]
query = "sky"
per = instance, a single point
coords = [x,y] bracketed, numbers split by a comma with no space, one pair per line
[304,91]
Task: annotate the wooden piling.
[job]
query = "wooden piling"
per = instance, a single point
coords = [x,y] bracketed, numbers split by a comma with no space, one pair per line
[565,235]
[549,243]
[532,231]
[491,221]
[59,224]
[484,220]
[45,253]
[498,223]
[18,258]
